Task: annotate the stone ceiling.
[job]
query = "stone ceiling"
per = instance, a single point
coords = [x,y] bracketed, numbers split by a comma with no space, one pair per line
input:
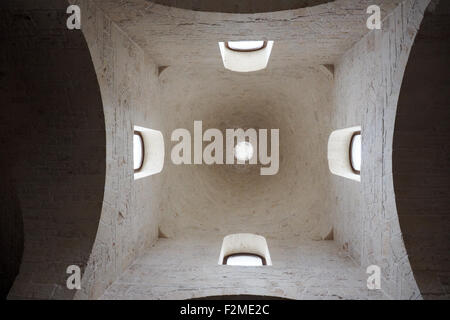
[303,37]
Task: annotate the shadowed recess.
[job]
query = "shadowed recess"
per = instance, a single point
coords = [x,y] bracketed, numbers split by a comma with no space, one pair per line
[421,154]
[240,6]
[240,297]
[11,232]
[52,137]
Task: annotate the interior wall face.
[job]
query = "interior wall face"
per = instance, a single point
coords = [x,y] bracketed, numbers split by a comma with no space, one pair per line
[174,269]
[129,89]
[202,203]
[420,155]
[309,36]
[367,86]
[52,142]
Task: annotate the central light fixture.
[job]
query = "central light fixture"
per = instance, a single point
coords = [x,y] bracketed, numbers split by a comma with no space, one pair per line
[243,151]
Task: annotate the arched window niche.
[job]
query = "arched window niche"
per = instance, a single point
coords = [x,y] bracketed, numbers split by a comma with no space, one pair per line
[245,56]
[344,153]
[244,249]
[148,152]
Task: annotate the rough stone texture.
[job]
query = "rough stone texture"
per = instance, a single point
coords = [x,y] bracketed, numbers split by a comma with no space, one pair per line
[368,79]
[188,216]
[189,269]
[213,201]
[303,37]
[128,83]
[195,206]
[421,155]
[52,142]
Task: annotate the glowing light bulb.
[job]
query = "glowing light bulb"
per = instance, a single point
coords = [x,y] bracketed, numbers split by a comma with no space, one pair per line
[243,151]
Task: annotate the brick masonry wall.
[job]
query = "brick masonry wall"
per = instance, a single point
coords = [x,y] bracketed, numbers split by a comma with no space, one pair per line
[368,80]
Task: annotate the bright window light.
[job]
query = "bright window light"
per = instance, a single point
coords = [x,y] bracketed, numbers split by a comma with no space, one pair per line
[244,260]
[246,45]
[355,149]
[138,151]
[245,56]
[243,151]
[244,249]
